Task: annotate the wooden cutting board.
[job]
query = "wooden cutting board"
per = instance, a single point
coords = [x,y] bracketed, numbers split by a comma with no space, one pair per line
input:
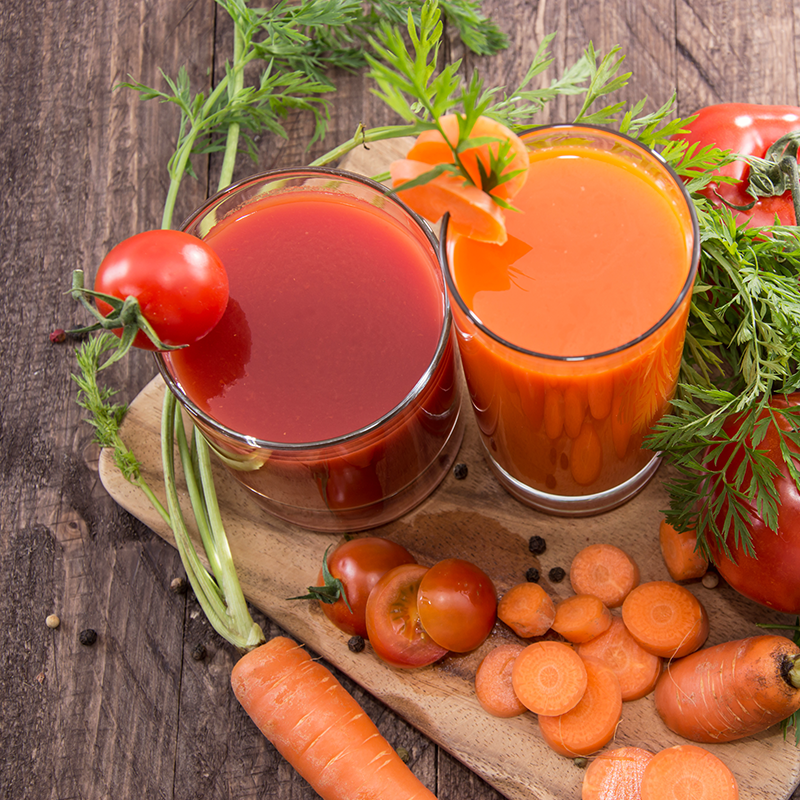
[476,519]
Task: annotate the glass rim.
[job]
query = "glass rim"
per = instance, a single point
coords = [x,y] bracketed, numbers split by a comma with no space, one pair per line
[441,346]
[685,289]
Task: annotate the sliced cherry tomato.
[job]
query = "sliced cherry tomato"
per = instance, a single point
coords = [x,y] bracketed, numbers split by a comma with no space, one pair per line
[178,280]
[393,625]
[457,604]
[353,569]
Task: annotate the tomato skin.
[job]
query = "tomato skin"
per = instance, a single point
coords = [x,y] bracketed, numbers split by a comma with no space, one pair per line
[179,281]
[359,564]
[457,604]
[772,577]
[393,625]
[749,129]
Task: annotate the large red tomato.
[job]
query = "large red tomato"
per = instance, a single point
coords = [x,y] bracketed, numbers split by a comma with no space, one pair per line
[772,577]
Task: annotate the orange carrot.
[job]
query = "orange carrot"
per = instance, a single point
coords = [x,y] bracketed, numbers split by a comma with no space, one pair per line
[687,772]
[318,727]
[493,686]
[615,774]
[549,677]
[581,617]
[527,609]
[665,618]
[681,556]
[604,571]
[731,690]
[591,724]
[636,669]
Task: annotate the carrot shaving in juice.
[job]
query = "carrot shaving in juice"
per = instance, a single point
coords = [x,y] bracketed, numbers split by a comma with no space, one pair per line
[591,724]
[732,690]
[665,618]
[635,668]
[493,686]
[604,571]
[549,677]
[615,774]
[681,556]
[473,213]
[317,726]
[687,772]
[581,617]
[527,609]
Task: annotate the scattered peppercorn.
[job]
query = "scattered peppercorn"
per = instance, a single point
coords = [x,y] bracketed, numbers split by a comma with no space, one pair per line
[199,652]
[87,637]
[532,575]
[405,756]
[58,335]
[537,545]
[710,580]
[356,644]
[41,677]
[580,762]
[460,471]
[178,586]
[52,621]
[556,575]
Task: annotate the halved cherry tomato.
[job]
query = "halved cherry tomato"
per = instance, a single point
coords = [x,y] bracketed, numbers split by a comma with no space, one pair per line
[393,625]
[457,604]
[179,281]
[355,567]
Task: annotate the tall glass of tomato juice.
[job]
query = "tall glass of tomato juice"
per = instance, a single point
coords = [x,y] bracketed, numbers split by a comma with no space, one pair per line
[329,388]
[571,334]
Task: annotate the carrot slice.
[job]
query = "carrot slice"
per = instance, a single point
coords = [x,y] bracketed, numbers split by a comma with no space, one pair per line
[432,148]
[616,774]
[681,556]
[604,571]
[665,618]
[687,772]
[318,727]
[473,213]
[549,677]
[731,690]
[581,617]
[527,609]
[591,724]
[635,668]
[493,686]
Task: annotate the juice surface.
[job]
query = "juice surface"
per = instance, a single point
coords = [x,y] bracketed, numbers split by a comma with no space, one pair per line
[595,257]
[334,315]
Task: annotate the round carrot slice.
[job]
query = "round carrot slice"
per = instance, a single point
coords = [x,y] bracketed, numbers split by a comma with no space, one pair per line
[549,677]
[473,213]
[616,774]
[493,686]
[688,772]
[604,571]
[432,148]
[581,617]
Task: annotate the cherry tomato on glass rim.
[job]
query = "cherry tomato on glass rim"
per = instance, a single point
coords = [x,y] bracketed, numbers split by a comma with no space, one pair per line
[348,576]
[393,624]
[178,280]
[457,604]
[769,577]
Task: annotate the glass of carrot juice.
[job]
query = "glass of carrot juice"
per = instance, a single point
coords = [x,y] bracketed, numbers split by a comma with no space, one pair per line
[571,333]
[329,387]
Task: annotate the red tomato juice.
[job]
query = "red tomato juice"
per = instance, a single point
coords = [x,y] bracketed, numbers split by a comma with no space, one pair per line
[597,255]
[335,314]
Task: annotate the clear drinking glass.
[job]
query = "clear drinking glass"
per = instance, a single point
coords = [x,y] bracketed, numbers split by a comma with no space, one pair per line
[359,478]
[563,428]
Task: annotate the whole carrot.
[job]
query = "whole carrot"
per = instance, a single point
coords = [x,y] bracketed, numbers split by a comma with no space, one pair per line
[732,690]
[318,727]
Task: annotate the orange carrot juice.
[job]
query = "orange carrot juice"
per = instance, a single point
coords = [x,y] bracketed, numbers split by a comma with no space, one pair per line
[571,333]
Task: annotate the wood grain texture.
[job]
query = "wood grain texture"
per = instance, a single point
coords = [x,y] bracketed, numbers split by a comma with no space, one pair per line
[83,166]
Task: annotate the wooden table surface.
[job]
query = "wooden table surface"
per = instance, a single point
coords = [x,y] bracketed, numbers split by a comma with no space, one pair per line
[84,166]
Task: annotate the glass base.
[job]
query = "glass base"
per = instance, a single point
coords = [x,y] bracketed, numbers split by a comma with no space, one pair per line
[577,505]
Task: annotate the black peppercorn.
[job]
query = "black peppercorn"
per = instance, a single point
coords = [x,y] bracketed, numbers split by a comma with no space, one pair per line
[460,471]
[356,644]
[532,575]
[556,575]
[199,652]
[537,545]
[87,637]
